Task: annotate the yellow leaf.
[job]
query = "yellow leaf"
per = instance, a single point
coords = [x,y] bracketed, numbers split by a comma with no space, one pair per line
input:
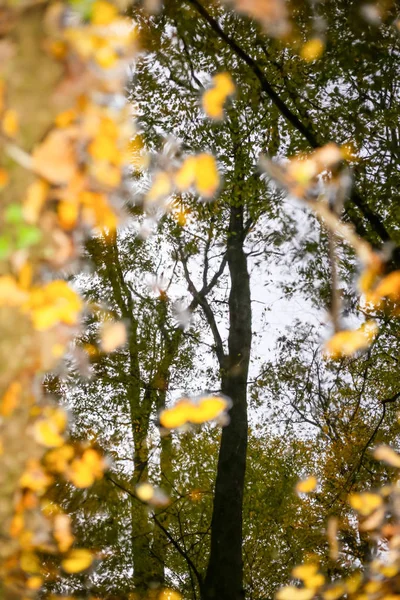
[305,571]
[29,562]
[208,408]
[186,411]
[55,158]
[34,477]
[304,487]
[53,303]
[312,49]
[57,460]
[106,174]
[214,98]
[168,594]
[365,503]
[85,470]
[389,286]
[161,187]
[65,118]
[334,593]
[68,213]
[25,276]
[106,57]
[207,176]
[46,434]
[77,560]
[103,147]
[144,492]
[34,583]
[103,13]
[186,175]
[388,456]
[346,343]
[293,593]
[10,123]
[113,335]
[97,212]
[175,416]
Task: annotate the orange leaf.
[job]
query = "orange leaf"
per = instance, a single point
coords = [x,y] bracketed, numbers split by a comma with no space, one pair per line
[55,158]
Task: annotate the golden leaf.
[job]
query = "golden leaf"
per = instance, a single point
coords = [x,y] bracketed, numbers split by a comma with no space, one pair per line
[85,470]
[168,594]
[293,593]
[305,571]
[103,13]
[106,174]
[104,147]
[11,399]
[68,213]
[388,456]
[304,487]
[186,411]
[53,303]
[66,118]
[144,492]
[55,158]
[389,286]
[214,98]
[175,416]
[365,503]
[34,477]
[113,335]
[208,408]
[29,562]
[77,560]
[4,178]
[96,211]
[57,460]
[186,175]
[207,176]
[10,123]
[34,583]
[45,433]
[334,593]
[312,49]
[160,187]
[106,57]
[346,343]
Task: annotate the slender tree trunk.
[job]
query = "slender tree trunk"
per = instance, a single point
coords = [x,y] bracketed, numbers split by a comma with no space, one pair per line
[224,577]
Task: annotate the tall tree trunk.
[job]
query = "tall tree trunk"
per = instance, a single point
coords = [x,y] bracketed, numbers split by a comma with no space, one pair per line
[224,577]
